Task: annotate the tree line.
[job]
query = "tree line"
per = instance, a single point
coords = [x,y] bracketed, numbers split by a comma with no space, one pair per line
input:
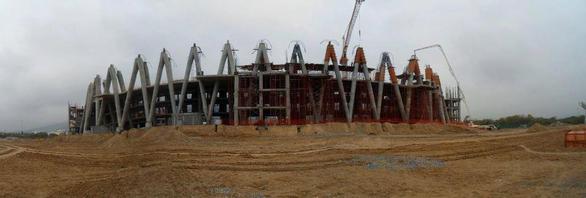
[25,135]
[519,121]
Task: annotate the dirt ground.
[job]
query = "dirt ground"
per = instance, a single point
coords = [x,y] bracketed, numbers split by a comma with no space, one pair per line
[177,162]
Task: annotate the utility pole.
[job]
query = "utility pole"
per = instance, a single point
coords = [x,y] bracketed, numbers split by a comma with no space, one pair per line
[583,105]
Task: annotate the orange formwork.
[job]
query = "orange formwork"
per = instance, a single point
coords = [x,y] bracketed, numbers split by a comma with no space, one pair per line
[575,139]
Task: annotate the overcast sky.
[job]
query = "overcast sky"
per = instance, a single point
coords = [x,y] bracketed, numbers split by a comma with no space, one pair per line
[511,56]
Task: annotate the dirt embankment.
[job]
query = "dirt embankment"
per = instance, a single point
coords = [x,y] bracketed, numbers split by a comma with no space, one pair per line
[429,161]
[182,135]
[536,128]
[152,136]
[326,129]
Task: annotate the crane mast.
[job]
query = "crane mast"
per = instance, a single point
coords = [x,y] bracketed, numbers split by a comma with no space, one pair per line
[348,35]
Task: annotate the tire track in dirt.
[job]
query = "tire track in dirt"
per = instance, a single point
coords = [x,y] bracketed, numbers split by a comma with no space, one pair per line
[551,153]
[266,168]
[10,151]
[327,157]
[277,153]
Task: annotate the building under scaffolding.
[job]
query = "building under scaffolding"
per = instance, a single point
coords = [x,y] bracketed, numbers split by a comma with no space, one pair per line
[264,93]
[75,118]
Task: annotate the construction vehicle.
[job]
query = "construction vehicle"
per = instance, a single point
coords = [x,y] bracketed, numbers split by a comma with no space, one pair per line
[489,127]
[348,35]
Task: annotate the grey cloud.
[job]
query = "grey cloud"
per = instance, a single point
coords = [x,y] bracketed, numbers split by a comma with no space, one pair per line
[512,57]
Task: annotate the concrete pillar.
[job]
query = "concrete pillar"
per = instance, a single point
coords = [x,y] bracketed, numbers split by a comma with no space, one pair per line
[185,82]
[353,90]
[115,83]
[121,81]
[129,94]
[380,93]
[408,102]
[430,104]
[170,84]
[144,83]
[236,98]
[441,105]
[88,107]
[373,104]
[399,98]
[288,98]
[155,95]
[260,98]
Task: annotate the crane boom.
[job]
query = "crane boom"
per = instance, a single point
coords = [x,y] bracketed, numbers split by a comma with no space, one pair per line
[451,72]
[348,35]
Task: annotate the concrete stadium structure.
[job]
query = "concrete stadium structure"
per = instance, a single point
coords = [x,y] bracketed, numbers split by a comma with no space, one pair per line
[264,93]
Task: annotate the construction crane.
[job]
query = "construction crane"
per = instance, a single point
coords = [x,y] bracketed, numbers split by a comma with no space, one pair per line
[348,35]
[451,71]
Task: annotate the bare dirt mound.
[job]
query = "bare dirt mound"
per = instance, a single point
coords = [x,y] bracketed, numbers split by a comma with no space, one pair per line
[451,128]
[152,136]
[163,135]
[124,139]
[384,129]
[82,139]
[536,128]
[320,166]
[425,129]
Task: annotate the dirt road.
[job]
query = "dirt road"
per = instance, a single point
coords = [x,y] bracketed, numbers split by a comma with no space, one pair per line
[168,163]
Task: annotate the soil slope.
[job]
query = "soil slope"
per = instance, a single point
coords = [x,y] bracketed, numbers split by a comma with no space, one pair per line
[165,162]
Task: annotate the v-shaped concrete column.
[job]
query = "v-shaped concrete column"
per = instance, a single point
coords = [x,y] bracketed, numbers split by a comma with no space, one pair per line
[194,57]
[331,56]
[138,67]
[227,58]
[360,61]
[297,57]
[164,62]
[386,60]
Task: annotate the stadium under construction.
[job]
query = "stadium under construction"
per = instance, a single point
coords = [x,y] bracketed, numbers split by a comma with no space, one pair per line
[265,94]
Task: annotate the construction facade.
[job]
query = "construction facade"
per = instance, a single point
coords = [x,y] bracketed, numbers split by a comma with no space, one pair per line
[265,94]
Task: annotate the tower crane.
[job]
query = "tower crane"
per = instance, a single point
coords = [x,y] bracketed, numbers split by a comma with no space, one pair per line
[348,35]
